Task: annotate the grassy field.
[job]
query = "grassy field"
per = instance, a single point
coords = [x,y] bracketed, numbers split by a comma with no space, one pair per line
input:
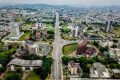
[49,25]
[25,36]
[33,76]
[68,49]
[26,26]
[117,31]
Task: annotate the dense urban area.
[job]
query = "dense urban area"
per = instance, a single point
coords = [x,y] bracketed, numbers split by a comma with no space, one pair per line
[47,42]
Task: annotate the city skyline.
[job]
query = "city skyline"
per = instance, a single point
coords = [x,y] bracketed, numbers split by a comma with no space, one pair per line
[64,2]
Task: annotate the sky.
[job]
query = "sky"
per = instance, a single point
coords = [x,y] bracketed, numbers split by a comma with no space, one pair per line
[65,2]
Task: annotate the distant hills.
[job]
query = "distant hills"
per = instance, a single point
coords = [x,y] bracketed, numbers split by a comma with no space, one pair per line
[46,5]
[32,6]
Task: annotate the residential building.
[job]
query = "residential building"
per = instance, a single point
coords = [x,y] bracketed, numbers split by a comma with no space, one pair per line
[74,69]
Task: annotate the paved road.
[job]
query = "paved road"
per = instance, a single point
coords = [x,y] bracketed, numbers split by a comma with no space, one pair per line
[56,68]
[7,41]
[57,71]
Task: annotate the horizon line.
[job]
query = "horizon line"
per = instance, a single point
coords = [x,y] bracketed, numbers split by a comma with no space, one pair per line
[77,5]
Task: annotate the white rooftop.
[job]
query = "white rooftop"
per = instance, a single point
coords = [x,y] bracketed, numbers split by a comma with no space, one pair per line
[21,62]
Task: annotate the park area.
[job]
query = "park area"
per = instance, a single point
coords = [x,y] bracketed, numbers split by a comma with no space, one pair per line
[33,76]
[70,48]
[117,31]
[25,36]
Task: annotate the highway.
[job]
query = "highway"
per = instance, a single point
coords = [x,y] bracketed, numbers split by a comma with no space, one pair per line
[57,71]
[57,64]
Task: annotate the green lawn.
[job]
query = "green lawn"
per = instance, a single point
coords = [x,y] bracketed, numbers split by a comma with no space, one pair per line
[49,25]
[117,31]
[26,26]
[68,49]
[65,30]
[50,28]
[25,36]
[33,76]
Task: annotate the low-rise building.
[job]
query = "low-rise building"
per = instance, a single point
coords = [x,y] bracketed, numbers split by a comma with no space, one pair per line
[94,37]
[106,43]
[21,52]
[36,48]
[116,71]
[24,64]
[111,53]
[99,71]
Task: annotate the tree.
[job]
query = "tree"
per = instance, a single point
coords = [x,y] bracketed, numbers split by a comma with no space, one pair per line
[5,57]
[91,61]
[47,62]
[108,61]
[118,66]
[86,71]
[85,34]
[12,76]
[31,57]
[102,49]
[65,30]
[112,66]
[115,41]
[65,60]
[2,69]
[90,28]
[50,32]
[50,36]
[113,46]
[95,43]
[46,68]
[83,60]
[96,58]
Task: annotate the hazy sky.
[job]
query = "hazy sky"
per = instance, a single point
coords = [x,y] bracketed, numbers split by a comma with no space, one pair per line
[67,2]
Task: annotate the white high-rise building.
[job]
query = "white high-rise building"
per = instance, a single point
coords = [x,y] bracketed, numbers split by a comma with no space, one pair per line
[14,30]
[76,31]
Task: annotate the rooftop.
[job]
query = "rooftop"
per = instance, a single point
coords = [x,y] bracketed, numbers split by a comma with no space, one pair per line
[100,70]
[73,67]
[21,62]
